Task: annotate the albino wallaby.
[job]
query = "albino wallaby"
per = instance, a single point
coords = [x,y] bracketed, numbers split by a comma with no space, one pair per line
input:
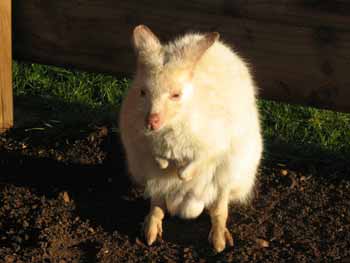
[190,128]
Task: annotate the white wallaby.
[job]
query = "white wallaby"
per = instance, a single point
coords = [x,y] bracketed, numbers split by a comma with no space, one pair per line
[190,128]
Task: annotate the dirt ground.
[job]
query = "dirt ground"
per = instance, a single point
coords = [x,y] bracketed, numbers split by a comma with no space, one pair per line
[65,197]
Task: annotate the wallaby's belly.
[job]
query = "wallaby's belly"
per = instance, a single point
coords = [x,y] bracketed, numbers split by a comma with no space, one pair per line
[184,205]
[183,199]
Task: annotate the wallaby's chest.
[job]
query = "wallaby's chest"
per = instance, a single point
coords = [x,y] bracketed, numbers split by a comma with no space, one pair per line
[173,145]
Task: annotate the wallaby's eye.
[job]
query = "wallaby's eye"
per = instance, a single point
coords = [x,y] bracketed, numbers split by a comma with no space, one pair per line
[142,93]
[175,96]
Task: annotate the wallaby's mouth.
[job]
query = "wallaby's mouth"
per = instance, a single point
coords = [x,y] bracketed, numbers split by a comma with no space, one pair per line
[153,127]
[149,131]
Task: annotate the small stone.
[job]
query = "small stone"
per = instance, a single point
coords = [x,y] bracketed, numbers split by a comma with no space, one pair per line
[186,249]
[168,259]
[284,172]
[10,259]
[139,242]
[66,198]
[262,242]
[25,224]
[103,131]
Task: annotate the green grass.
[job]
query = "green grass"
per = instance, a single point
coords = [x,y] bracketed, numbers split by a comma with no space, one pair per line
[94,90]
[77,96]
[69,96]
[309,130]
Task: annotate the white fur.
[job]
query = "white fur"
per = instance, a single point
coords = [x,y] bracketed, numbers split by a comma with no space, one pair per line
[216,126]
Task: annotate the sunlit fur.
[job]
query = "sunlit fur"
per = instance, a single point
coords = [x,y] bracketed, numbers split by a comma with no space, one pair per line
[216,121]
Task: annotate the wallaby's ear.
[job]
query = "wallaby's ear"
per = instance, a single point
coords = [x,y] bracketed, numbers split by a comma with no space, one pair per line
[194,53]
[144,40]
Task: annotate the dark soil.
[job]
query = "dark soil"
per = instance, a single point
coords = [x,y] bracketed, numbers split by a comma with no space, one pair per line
[65,197]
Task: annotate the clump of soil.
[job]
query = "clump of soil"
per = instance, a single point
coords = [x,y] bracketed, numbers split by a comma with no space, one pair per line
[66,197]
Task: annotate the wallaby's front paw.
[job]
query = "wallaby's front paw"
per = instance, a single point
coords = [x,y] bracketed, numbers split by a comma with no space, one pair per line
[187,173]
[162,163]
[218,237]
[152,227]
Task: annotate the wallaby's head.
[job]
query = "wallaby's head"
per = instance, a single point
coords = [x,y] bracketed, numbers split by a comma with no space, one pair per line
[164,74]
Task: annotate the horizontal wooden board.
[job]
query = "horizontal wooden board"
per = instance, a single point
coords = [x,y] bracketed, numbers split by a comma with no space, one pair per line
[299,50]
[6,103]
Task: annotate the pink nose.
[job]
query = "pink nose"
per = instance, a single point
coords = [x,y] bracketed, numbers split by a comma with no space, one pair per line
[153,121]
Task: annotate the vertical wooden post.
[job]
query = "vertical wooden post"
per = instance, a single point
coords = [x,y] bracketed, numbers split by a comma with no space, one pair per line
[6,99]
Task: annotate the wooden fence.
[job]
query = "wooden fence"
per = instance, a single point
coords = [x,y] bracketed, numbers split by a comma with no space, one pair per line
[299,49]
[6,104]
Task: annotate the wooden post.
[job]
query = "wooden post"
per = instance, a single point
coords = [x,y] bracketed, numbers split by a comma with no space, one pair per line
[6,99]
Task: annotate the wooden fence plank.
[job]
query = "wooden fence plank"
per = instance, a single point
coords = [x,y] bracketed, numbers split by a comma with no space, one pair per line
[6,101]
[299,49]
